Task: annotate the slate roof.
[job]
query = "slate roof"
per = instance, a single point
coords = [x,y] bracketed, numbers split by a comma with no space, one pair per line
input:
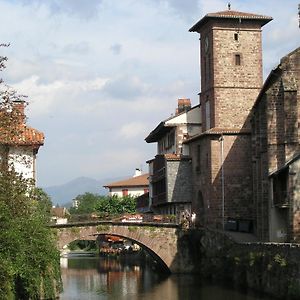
[231,14]
[137,181]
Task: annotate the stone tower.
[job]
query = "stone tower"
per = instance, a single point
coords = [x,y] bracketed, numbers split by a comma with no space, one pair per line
[231,78]
[231,66]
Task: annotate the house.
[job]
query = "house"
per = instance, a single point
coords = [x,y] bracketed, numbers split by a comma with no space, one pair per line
[231,79]
[19,143]
[276,153]
[75,203]
[134,186]
[59,215]
[170,184]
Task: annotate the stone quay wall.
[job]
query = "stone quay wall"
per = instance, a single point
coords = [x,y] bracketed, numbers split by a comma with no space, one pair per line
[268,268]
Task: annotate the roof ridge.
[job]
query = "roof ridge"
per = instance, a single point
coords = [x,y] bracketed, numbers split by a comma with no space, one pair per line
[131,181]
[236,13]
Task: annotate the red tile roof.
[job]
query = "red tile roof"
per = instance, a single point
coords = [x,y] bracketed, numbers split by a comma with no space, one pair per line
[23,135]
[14,130]
[171,156]
[137,181]
[231,14]
[59,212]
[237,14]
[218,131]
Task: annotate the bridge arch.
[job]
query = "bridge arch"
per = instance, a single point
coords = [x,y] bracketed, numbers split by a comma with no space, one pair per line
[159,241]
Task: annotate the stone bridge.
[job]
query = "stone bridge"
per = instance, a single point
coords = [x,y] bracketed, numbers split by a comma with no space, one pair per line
[166,242]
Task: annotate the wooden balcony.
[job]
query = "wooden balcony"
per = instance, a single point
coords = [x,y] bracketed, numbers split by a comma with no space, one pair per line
[159,199]
[158,175]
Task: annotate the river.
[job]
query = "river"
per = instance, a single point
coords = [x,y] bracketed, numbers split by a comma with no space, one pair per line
[94,278]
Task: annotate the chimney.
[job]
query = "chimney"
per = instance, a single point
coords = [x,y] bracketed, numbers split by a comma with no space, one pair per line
[137,172]
[19,107]
[183,105]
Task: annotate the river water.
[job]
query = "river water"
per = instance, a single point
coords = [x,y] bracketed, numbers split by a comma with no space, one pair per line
[91,278]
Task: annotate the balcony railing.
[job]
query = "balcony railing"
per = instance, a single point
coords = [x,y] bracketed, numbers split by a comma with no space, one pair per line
[158,175]
[159,199]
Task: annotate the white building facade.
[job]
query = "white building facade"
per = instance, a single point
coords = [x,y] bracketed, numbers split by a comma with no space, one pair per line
[170,173]
[134,186]
[21,149]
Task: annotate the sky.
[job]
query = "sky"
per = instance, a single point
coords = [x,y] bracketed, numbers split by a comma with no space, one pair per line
[101,74]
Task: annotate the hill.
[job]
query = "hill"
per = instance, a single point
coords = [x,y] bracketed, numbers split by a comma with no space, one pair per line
[65,193]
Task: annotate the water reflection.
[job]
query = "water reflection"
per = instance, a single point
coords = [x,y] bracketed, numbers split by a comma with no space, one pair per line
[102,278]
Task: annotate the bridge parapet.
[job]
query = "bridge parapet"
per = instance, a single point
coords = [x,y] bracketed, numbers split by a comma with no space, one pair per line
[115,223]
[140,218]
[159,239]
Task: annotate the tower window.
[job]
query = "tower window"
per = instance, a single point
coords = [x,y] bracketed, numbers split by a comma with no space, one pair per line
[236,36]
[237,59]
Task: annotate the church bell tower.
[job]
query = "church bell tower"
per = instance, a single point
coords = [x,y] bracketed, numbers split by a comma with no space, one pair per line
[231,66]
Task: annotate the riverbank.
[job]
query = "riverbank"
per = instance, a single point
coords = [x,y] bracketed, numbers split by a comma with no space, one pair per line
[269,268]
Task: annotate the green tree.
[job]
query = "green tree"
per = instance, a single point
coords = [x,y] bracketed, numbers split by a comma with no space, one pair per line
[44,201]
[103,205]
[117,205]
[29,258]
[87,203]
[28,246]
[128,204]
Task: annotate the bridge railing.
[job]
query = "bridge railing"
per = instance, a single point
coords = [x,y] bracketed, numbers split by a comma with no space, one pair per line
[126,218]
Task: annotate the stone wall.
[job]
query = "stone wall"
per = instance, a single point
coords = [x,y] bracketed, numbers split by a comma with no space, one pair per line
[231,88]
[179,184]
[294,194]
[275,144]
[208,178]
[268,268]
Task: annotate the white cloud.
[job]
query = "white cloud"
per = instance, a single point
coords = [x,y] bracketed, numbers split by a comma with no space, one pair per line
[100,75]
[132,130]
[44,96]
[116,48]
[213,5]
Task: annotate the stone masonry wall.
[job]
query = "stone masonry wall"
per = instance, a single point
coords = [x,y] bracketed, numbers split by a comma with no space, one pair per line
[230,88]
[207,179]
[268,268]
[294,210]
[200,151]
[179,183]
[233,108]
[237,178]
[260,170]
[275,141]
[236,86]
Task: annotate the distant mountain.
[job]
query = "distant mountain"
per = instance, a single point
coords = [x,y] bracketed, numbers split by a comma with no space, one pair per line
[65,193]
